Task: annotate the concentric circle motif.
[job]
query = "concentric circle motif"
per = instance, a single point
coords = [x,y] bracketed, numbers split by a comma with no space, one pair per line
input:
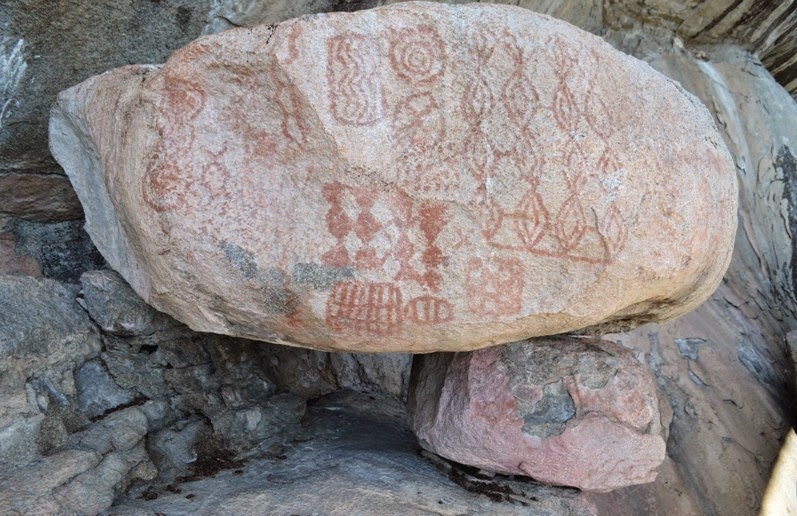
[417,54]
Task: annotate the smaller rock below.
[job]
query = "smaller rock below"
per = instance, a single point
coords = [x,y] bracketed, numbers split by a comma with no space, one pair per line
[545,408]
[117,309]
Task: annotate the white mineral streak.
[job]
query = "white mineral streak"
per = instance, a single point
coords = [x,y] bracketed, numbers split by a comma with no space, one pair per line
[12,69]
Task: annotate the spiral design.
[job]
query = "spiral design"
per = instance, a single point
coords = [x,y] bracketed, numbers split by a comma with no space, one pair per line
[416,54]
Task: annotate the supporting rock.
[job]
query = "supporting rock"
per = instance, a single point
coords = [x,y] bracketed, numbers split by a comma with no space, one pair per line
[574,412]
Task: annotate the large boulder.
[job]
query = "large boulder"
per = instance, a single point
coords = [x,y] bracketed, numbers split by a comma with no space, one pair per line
[417,177]
[575,412]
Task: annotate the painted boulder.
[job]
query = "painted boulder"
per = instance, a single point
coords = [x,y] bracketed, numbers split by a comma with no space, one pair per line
[416,177]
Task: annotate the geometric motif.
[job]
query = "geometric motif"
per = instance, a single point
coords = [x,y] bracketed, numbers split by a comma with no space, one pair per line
[352,76]
[369,239]
[376,309]
[531,223]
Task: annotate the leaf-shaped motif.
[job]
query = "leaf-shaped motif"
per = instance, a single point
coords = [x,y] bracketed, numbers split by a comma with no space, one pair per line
[565,109]
[479,156]
[565,60]
[598,116]
[491,217]
[574,171]
[614,231]
[519,98]
[571,223]
[483,44]
[533,224]
[477,99]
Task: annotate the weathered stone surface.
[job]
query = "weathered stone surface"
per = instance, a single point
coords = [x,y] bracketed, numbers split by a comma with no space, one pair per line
[31,488]
[43,193]
[58,250]
[356,455]
[114,306]
[732,397]
[226,14]
[85,478]
[12,262]
[46,47]
[43,335]
[310,373]
[418,177]
[41,327]
[38,196]
[96,391]
[582,413]
[766,29]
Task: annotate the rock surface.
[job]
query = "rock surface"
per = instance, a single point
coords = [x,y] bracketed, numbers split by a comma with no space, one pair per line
[563,411]
[114,306]
[355,455]
[391,194]
[43,335]
[725,367]
[12,262]
[310,373]
[38,193]
[52,460]
[764,29]
[58,250]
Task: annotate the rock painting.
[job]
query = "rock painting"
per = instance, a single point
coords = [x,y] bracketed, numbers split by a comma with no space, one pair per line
[164,187]
[353,65]
[533,222]
[376,309]
[425,168]
[500,108]
[358,218]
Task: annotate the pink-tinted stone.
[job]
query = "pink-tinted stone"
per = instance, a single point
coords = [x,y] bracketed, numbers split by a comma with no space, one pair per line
[417,177]
[566,411]
[10,261]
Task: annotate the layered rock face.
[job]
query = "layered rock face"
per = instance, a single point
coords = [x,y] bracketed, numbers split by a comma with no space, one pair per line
[564,411]
[413,178]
